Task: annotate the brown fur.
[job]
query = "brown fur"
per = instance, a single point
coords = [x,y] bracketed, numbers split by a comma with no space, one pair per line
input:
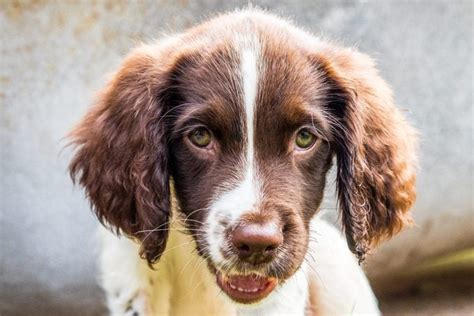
[375,152]
[131,142]
[122,152]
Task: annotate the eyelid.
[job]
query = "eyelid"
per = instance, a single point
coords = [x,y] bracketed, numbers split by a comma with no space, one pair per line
[184,129]
[189,129]
[318,133]
[192,127]
[311,129]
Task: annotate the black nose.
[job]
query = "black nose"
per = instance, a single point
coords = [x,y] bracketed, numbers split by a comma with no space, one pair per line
[256,243]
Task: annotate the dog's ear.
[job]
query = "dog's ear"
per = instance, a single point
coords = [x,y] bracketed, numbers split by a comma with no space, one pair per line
[121,153]
[375,150]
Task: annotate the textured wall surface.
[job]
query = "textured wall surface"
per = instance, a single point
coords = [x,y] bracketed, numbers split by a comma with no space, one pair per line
[54,55]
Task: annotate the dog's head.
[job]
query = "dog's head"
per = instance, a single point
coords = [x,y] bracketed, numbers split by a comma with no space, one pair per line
[245,114]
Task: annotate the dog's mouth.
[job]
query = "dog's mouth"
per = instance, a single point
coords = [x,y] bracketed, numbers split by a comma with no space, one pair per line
[246,289]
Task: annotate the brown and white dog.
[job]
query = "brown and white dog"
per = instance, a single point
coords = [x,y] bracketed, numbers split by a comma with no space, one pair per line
[225,133]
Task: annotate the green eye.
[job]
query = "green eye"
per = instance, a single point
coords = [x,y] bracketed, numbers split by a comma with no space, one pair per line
[200,137]
[305,139]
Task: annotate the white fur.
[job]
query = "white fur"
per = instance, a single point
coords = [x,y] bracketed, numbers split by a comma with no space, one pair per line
[183,285]
[250,85]
[231,206]
[342,287]
[244,198]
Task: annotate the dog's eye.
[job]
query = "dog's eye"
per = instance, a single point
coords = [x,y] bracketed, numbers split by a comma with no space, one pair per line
[200,137]
[305,139]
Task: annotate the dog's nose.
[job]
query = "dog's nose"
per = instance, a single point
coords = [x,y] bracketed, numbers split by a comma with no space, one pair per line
[256,243]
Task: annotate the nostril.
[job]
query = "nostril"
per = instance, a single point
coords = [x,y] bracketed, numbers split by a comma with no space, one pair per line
[270,248]
[256,242]
[243,248]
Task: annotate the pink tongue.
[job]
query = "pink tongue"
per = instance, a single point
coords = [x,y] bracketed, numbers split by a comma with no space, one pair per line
[248,282]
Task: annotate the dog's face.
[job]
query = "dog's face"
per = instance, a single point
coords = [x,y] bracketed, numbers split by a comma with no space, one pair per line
[249,151]
[245,117]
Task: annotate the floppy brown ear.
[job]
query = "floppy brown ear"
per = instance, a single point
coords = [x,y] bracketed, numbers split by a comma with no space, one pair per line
[121,154]
[375,149]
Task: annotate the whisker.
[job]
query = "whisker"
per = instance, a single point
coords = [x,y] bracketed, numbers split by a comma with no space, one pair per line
[175,247]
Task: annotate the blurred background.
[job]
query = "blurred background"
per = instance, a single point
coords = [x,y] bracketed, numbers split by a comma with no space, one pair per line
[55,55]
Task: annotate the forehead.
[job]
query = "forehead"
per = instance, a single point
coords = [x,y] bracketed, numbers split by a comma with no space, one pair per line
[251,79]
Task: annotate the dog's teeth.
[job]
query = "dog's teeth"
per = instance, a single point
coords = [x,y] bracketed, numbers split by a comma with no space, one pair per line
[232,286]
[240,289]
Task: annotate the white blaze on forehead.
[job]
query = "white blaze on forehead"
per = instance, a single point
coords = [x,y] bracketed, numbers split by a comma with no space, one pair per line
[242,198]
[249,79]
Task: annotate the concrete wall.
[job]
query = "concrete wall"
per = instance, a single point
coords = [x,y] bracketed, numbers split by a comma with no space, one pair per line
[54,55]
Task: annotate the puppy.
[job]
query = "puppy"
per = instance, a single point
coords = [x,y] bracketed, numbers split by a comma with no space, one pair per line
[207,154]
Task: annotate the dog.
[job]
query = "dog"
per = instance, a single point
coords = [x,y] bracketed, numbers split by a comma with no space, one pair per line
[206,157]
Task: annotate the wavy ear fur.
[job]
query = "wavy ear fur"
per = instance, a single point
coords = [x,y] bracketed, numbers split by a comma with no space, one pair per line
[375,149]
[121,156]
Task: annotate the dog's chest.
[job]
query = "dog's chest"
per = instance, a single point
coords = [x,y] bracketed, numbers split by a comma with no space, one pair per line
[183,285]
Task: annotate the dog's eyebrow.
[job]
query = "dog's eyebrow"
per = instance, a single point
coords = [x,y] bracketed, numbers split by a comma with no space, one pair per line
[189,111]
[303,113]
[192,115]
[319,120]
[212,115]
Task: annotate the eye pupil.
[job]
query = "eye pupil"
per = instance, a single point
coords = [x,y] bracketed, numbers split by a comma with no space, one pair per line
[305,134]
[200,137]
[305,139]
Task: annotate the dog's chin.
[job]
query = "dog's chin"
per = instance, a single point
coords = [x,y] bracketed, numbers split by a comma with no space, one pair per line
[246,288]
